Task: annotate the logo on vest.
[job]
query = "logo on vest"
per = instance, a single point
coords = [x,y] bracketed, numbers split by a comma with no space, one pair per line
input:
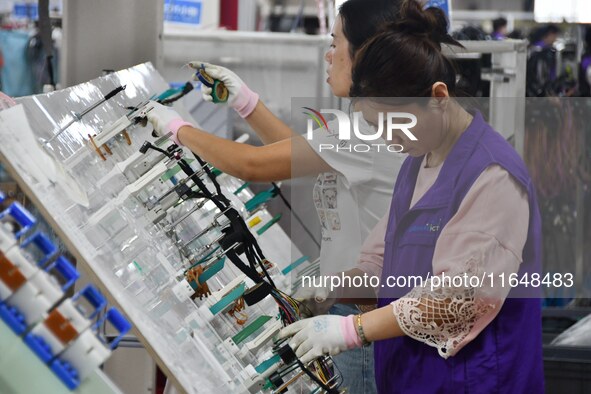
[429,227]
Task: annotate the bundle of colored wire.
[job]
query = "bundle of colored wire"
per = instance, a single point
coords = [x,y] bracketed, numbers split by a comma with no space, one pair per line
[323,371]
[288,307]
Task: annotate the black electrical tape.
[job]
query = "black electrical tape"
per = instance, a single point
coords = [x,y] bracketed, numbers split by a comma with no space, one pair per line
[276,381]
[232,235]
[238,232]
[287,354]
[183,190]
[145,146]
[246,270]
[257,293]
[188,88]
[115,92]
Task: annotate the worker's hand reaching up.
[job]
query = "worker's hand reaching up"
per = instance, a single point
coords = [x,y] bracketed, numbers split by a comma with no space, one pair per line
[241,98]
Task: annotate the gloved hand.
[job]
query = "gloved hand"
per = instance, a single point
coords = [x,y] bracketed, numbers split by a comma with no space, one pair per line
[321,335]
[165,120]
[316,300]
[241,98]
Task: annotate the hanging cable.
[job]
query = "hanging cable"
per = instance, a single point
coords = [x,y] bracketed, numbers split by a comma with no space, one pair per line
[295,215]
[238,240]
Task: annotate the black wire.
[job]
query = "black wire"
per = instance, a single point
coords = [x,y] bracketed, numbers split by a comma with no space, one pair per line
[252,261]
[252,248]
[295,215]
[212,177]
[193,195]
[148,145]
[220,203]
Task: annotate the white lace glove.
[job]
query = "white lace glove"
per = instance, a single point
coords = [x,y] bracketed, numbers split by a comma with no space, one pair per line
[165,120]
[321,335]
[316,300]
[241,98]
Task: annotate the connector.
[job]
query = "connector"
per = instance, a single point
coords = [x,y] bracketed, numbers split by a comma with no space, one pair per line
[42,291]
[39,249]
[88,351]
[64,324]
[15,222]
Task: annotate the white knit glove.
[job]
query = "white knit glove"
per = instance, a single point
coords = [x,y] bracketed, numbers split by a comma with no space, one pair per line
[241,98]
[165,120]
[321,335]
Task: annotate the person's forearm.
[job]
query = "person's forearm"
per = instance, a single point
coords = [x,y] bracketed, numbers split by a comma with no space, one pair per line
[380,324]
[268,127]
[240,160]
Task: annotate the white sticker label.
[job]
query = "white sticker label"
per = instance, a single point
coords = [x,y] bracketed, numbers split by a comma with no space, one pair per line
[183,290]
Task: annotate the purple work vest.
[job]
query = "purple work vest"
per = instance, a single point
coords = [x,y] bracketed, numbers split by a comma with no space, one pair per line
[506,357]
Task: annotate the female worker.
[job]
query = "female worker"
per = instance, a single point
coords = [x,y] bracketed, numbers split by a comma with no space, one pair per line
[463,206]
[353,189]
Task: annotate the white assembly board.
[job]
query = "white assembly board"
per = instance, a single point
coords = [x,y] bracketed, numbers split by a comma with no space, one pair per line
[94,206]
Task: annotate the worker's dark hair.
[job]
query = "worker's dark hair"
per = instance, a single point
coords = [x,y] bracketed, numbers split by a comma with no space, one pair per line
[542,32]
[550,29]
[405,60]
[499,23]
[362,19]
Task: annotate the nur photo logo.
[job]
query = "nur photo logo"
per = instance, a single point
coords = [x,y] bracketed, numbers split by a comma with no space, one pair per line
[345,128]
